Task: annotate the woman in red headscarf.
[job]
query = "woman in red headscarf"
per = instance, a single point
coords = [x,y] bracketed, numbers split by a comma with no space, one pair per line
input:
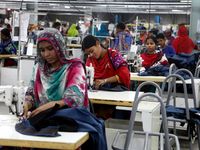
[183,44]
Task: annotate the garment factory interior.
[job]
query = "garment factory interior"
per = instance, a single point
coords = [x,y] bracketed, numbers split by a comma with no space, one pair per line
[100,74]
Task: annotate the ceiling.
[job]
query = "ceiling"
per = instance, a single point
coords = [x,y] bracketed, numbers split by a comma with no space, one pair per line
[103,6]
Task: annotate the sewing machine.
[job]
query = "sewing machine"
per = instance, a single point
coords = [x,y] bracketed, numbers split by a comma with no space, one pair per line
[73,40]
[13,97]
[90,76]
[134,61]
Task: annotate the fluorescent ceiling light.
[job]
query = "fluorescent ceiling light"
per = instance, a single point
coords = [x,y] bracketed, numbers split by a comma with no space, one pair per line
[177,10]
[151,10]
[67,7]
[53,4]
[185,1]
[132,6]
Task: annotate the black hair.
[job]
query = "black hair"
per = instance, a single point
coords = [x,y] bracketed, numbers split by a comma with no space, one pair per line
[91,22]
[90,41]
[56,24]
[77,27]
[121,26]
[8,25]
[6,32]
[153,38]
[143,28]
[160,36]
[154,31]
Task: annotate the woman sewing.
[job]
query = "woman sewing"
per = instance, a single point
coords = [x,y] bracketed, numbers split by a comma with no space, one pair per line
[109,65]
[56,78]
[8,47]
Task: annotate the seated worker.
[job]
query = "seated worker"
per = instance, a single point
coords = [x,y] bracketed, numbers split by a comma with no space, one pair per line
[56,78]
[143,34]
[109,65]
[153,32]
[56,25]
[104,34]
[183,44]
[168,35]
[166,49]
[152,57]
[123,39]
[8,47]
[64,30]
[72,32]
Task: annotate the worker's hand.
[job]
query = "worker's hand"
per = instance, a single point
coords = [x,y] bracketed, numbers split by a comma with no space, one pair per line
[98,82]
[45,107]
[27,106]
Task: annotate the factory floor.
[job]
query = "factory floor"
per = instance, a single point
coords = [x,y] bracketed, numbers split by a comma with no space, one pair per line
[183,143]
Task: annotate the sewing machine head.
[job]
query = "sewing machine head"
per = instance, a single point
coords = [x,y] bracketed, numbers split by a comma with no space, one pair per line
[90,76]
[13,97]
[73,40]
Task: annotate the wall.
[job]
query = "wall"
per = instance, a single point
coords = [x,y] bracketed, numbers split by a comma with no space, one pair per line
[195,15]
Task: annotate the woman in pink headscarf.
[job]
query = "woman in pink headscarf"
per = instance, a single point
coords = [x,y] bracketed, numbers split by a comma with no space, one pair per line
[168,35]
[183,44]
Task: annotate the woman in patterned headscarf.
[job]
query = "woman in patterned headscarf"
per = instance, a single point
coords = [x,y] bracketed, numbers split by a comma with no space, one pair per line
[56,78]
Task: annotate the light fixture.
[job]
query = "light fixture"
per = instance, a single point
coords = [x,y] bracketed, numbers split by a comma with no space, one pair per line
[177,10]
[151,10]
[67,7]
[8,9]
[84,7]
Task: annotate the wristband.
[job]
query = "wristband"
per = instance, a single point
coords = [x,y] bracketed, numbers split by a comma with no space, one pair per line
[105,81]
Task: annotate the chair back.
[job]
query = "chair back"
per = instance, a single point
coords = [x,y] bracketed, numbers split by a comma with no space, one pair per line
[134,110]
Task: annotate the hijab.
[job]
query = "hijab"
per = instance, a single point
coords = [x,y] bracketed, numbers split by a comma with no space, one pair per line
[72,32]
[183,44]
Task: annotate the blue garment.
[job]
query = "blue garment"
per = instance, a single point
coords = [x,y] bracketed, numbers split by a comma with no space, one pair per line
[161,70]
[87,122]
[183,60]
[169,50]
[102,32]
[95,30]
[180,113]
[123,42]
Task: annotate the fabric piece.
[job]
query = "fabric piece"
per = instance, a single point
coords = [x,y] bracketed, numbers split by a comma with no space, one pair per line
[169,50]
[72,32]
[67,82]
[113,87]
[183,44]
[161,70]
[112,64]
[122,42]
[102,32]
[152,60]
[187,61]
[87,122]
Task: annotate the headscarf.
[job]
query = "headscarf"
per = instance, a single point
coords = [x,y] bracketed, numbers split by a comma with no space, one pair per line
[102,32]
[52,85]
[170,38]
[54,37]
[183,44]
[72,32]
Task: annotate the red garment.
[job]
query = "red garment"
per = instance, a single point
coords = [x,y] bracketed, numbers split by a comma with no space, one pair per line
[150,59]
[106,68]
[183,44]
[143,37]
